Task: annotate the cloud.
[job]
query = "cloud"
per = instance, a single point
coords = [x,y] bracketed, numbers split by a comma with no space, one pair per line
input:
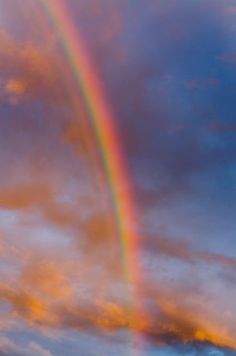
[228,57]
[29,72]
[43,297]
[166,138]
[7,347]
[184,251]
[38,350]
[231,10]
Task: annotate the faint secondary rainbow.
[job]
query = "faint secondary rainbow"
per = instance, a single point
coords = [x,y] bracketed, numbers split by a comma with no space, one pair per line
[104,131]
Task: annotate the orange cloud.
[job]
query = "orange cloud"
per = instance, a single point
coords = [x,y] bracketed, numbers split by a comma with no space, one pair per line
[45,291]
[30,72]
[171,320]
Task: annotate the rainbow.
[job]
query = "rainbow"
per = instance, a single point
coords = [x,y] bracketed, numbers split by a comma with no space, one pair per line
[105,133]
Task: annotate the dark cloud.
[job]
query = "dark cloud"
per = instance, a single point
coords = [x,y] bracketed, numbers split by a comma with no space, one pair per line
[165,123]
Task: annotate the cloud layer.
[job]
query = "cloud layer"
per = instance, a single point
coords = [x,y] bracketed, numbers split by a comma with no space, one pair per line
[169,74]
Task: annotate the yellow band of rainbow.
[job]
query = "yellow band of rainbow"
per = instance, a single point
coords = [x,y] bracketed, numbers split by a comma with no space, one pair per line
[104,130]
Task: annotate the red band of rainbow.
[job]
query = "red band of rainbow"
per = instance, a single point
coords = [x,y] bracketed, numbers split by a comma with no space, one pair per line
[105,133]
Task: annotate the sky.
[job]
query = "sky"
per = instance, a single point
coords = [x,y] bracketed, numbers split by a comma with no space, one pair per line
[117,177]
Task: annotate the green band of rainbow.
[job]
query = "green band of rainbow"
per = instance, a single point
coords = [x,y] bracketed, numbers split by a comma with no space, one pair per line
[104,130]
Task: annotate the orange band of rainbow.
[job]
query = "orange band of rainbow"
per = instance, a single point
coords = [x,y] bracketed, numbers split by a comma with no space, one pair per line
[104,130]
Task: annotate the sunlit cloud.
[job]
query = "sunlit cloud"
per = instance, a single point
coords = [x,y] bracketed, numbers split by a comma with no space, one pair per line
[64,267]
